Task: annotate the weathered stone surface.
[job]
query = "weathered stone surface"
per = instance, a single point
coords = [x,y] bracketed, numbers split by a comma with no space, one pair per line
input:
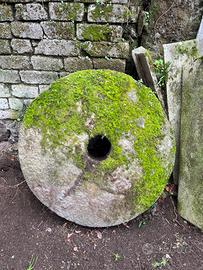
[107,49]
[112,13]
[5,30]
[27,30]
[200,38]
[180,56]
[59,30]
[4,91]
[190,191]
[57,47]
[5,13]
[61,170]
[14,62]
[21,46]
[46,63]
[43,88]
[113,64]
[9,76]
[16,104]
[99,32]
[24,91]
[103,1]
[3,103]
[72,64]
[4,133]
[66,11]
[5,47]
[8,114]
[30,12]
[35,77]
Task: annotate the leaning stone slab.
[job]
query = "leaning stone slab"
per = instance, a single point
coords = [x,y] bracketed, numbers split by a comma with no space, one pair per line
[180,56]
[144,67]
[97,148]
[190,195]
[200,39]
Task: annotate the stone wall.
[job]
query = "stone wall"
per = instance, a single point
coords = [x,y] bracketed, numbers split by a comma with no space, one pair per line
[42,40]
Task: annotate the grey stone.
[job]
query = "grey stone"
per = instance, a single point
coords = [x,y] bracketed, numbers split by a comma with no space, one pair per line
[24,91]
[99,32]
[30,12]
[59,30]
[37,77]
[179,55]
[190,191]
[66,11]
[8,114]
[27,30]
[46,63]
[103,1]
[4,133]
[5,47]
[16,104]
[5,13]
[72,64]
[113,64]
[3,103]
[85,190]
[107,49]
[5,30]
[9,76]
[200,38]
[112,13]
[43,88]
[14,62]
[57,47]
[21,46]
[4,91]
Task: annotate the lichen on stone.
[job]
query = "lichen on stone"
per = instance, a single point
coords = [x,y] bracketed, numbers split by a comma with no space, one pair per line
[107,95]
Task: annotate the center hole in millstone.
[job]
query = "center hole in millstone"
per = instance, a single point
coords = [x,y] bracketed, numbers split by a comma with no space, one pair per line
[99,147]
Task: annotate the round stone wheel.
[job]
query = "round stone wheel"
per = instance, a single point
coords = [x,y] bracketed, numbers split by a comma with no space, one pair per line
[96,148]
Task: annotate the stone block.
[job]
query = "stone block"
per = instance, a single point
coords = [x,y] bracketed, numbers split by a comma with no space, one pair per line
[4,47]
[30,12]
[66,11]
[46,63]
[73,64]
[8,114]
[112,13]
[200,38]
[21,46]
[3,103]
[59,30]
[190,189]
[99,32]
[43,88]
[106,49]
[16,104]
[24,91]
[58,47]
[5,30]
[113,64]
[14,62]
[4,91]
[27,30]
[38,77]
[103,1]
[6,13]
[9,76]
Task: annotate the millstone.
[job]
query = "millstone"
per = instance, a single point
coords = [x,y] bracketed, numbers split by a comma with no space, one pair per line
[96,148]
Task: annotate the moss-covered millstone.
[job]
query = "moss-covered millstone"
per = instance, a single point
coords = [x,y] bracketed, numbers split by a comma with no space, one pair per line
[96,148]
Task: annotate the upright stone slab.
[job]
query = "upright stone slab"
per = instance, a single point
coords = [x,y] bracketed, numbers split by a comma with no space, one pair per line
[96,148]
[190,194]
[180,56]
[200,39]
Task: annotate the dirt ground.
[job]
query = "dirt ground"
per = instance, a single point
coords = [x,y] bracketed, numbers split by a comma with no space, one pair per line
[159,239]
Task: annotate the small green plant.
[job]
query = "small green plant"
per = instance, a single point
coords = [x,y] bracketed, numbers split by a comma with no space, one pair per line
[32,263]
[161,263]
[117,257]
[161,70]
[146,18]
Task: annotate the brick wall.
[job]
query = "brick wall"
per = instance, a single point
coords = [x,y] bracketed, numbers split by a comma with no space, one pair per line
[41,41]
